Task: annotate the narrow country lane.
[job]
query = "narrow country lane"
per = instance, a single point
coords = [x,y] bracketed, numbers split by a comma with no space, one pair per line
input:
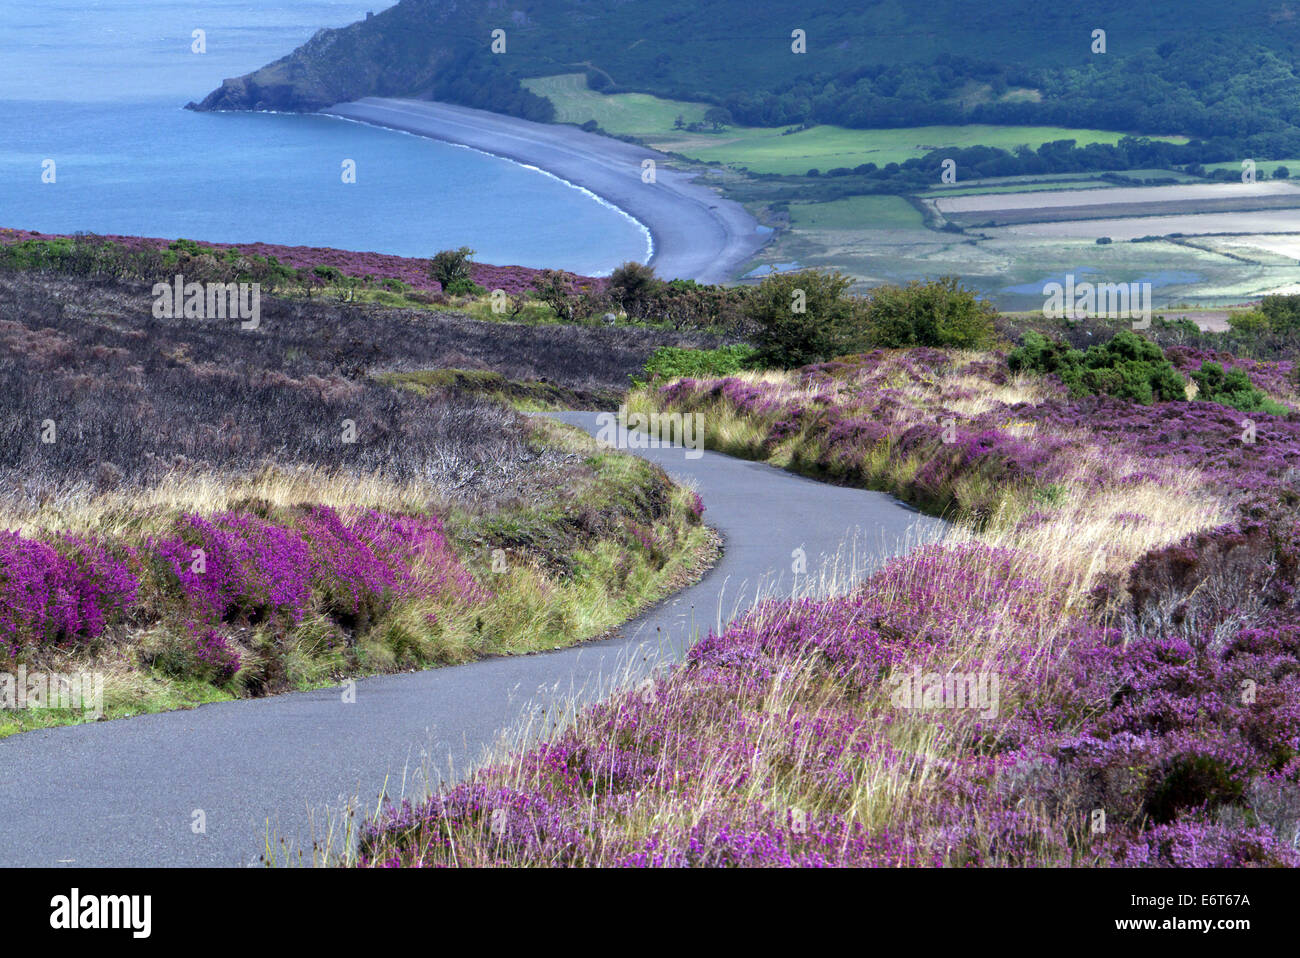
[125,792]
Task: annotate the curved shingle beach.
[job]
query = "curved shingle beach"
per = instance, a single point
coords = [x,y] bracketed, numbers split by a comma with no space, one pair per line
[696,233]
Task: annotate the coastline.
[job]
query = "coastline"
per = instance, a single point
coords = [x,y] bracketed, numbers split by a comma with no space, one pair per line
[693,232]
[645,230]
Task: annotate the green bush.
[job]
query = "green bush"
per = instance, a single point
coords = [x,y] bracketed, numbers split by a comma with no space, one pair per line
[631,286]
[939,313]
[1250,323]
[450,265]
[189,246]
[801,318]
[463,287]
[673,362]
[35,254]
[1233,388]
[1127,367]
[1281,312]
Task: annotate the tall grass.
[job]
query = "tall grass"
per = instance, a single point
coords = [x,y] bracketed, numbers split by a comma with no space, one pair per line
[781,740]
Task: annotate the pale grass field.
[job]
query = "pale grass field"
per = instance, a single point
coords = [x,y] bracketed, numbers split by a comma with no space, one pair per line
[1181,193]
[80,509]
[1081,540]
[113,513]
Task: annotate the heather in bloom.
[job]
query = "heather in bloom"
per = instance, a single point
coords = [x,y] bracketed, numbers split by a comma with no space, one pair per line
[215,656]
[60,592]
[229,571]
[1146,657]
[238,566]
[413,272]
[788,701]
[960,435]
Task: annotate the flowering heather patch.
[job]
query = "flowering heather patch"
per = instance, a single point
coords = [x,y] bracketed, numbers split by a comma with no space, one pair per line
[237,566]
[215,656]
[1145,716]
[777,743]
[233,567]
[415,550]
[871,418]
[60,592]
[413,271]
[697,506]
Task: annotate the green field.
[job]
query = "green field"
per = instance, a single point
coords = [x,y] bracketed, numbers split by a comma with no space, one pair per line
[1261,166]
[623,114]
[857,213]
[769,150]
[826,147]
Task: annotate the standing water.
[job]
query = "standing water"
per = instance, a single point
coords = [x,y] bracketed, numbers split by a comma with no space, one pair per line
[98,88]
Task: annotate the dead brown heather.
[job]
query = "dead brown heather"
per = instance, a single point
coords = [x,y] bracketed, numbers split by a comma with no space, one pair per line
[135,399]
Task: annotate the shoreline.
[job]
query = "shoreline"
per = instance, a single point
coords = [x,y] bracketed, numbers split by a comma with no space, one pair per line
[694,233]
[645,230]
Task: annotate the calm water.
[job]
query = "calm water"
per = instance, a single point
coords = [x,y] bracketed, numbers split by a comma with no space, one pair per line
[98,87]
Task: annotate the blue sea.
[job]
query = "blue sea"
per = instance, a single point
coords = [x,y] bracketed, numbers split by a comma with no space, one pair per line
[98,87]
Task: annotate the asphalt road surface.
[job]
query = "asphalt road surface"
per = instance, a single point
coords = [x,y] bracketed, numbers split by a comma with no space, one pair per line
[126,792]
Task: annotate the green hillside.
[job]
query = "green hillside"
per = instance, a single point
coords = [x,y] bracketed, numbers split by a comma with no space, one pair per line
[1206,69]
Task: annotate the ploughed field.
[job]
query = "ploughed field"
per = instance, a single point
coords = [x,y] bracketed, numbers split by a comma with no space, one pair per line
[1007,209]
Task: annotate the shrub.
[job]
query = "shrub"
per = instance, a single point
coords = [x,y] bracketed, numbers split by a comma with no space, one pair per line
[684,303]
[1127,367]
[1233,388]
[802,317]
[673,362]
[556,289]
[632,286]
[1250,322]
[236,566]
[61,592]
[463,287]
[1282,312]
[451,265]
[938,313]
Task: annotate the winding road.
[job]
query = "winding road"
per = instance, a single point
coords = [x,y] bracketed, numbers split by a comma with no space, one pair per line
[697,234]
[126,792]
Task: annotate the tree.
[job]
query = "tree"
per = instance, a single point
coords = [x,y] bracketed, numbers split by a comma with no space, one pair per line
[451,265]
[632,286]
[719,117]
[801,317]
[940,313]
